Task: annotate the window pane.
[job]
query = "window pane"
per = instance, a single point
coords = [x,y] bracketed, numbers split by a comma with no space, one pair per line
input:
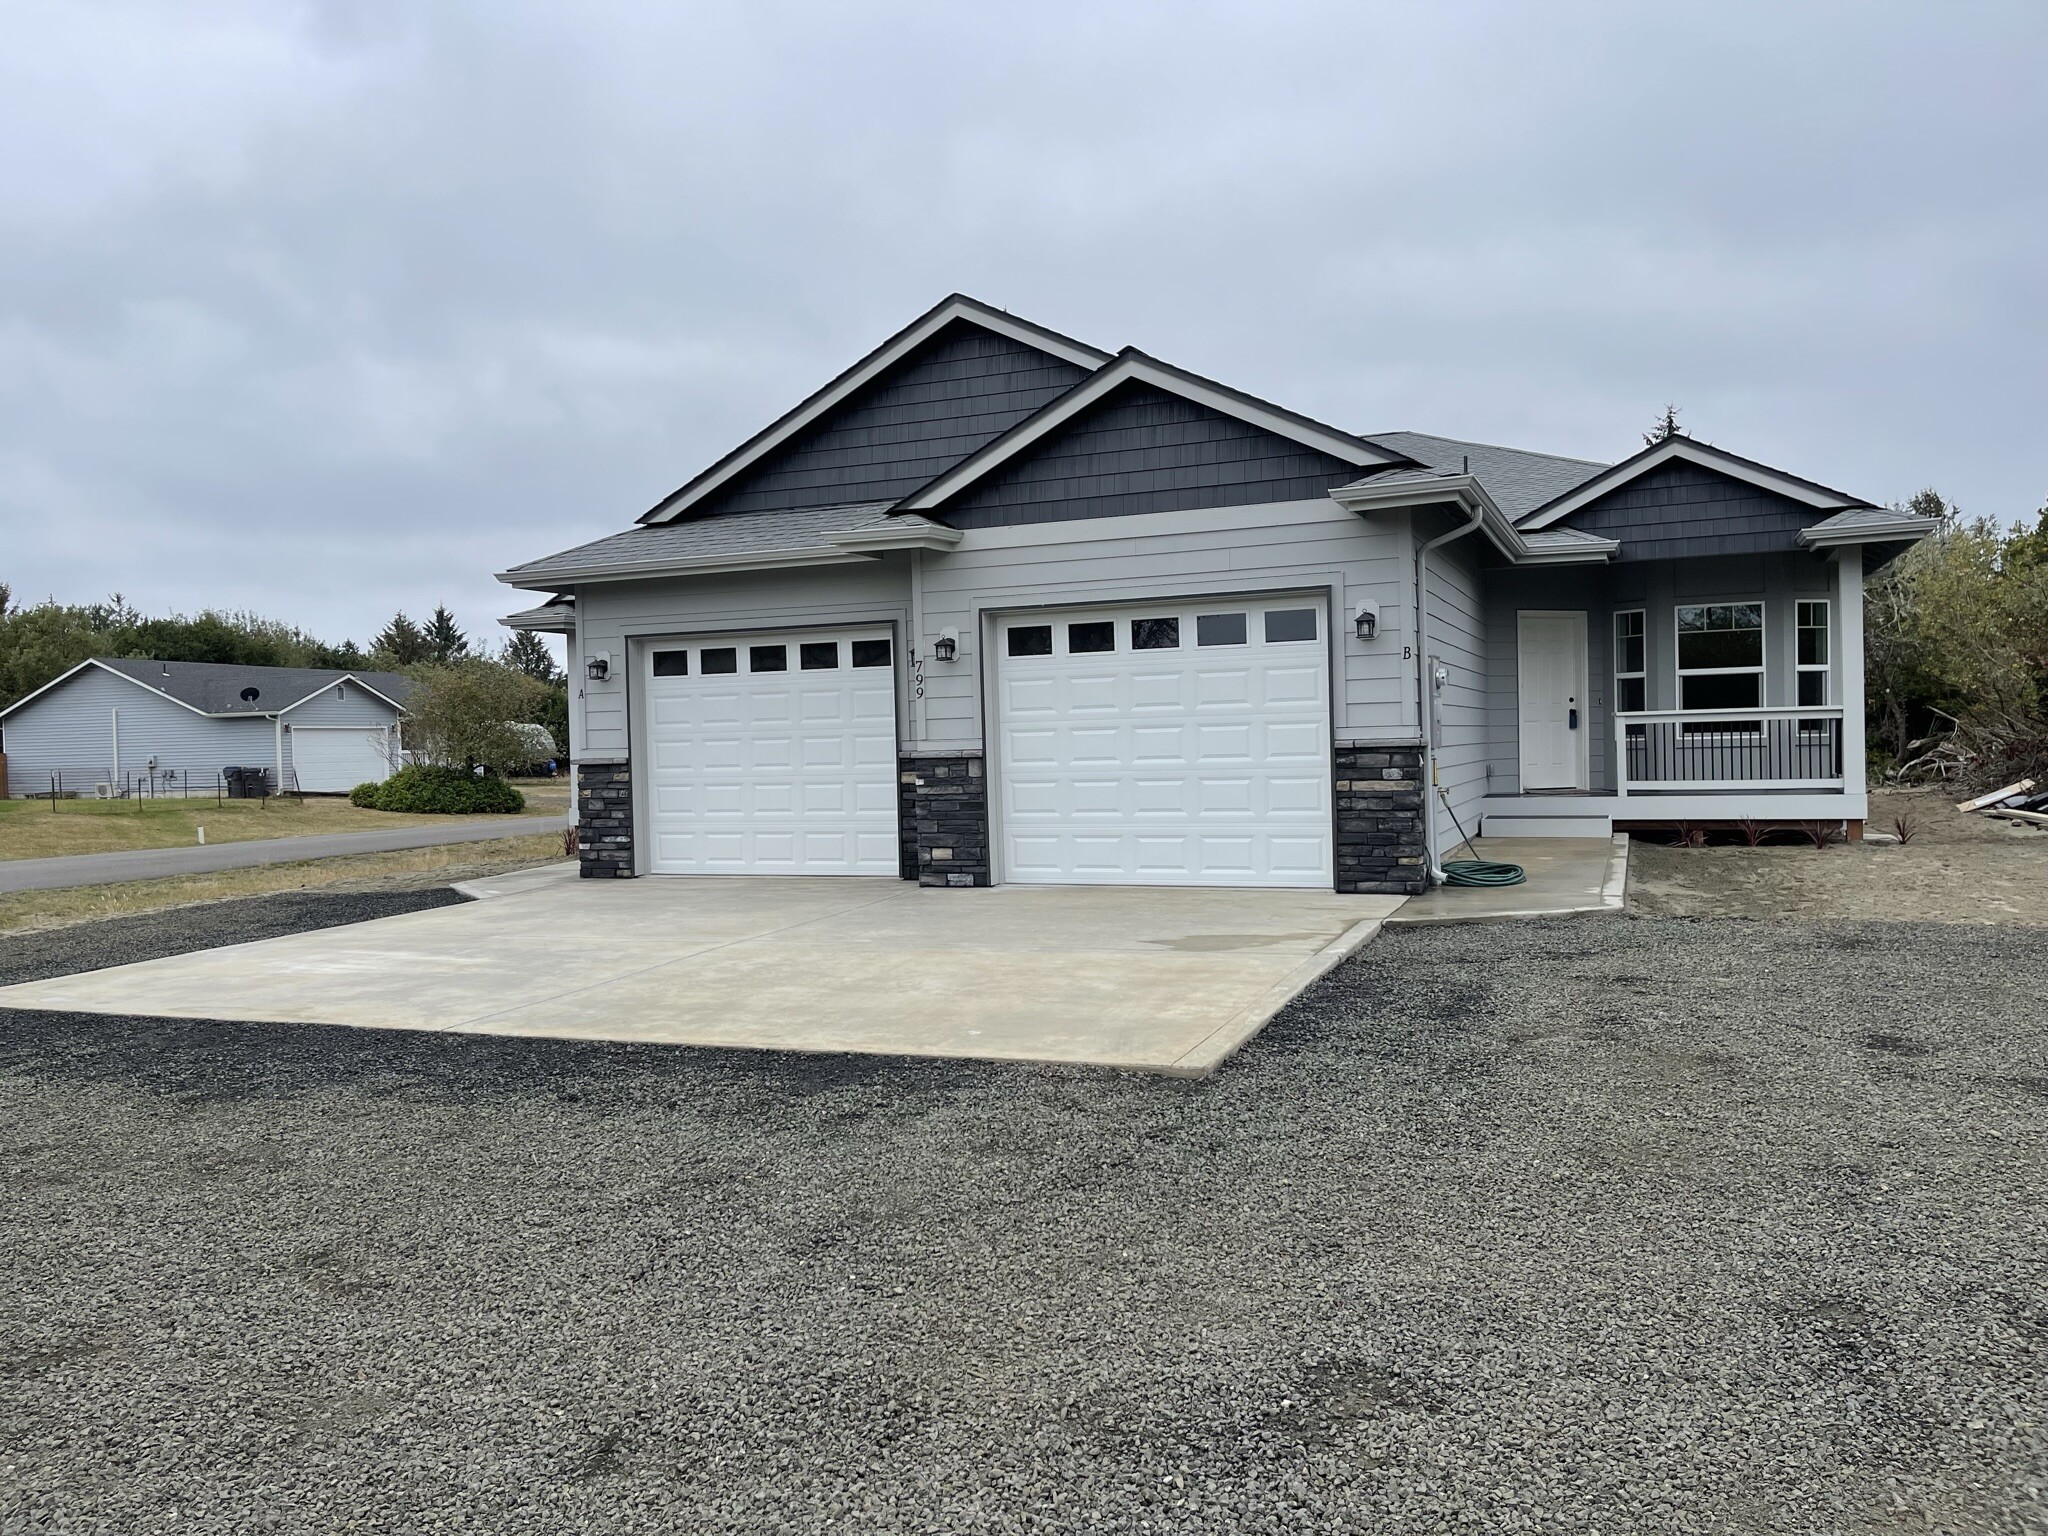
[1031,640]
[1155,634]
[818,655]
[671,663]
[1087,639]
[871,653]
[1629,695]
[1813,635]
[1708,648]
[767,658]
[1629,622]
[1628,654]
[1813,687]
[1740,690]
[723,659]
[1721,616]
[1219,629]
[1290,624]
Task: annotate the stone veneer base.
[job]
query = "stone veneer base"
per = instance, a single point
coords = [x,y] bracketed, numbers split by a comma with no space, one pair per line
[1382,844]
[604,821]
[944,803]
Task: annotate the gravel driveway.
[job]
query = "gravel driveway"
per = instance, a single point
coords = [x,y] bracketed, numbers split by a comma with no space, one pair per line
[1628,1226]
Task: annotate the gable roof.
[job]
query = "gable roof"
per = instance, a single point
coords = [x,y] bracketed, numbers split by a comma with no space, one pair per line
[1688,450]
[1518,479]
[215,688]
[785,429]
[736,541]
[1132,366]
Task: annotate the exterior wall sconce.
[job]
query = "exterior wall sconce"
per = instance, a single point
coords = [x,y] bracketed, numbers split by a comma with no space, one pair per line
[599,667]
[1366,620]
[947,646]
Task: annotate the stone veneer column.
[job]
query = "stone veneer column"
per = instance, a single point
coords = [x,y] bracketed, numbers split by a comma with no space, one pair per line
[604,820]
[1382,845]
[944,796]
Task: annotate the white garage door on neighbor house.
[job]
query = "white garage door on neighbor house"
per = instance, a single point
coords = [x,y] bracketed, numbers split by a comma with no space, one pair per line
[772,754]
[1166,744]
[333,759]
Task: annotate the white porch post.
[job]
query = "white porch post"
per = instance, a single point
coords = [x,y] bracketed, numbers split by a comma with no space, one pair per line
[573,655]
[1849,669]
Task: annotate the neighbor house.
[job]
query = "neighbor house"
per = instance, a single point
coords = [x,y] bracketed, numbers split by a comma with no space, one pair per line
[995,605]
[166,727]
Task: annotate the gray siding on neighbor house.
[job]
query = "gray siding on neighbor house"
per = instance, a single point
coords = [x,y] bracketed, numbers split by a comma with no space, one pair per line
[1659,588]
[1142,450]
[1682,510]
[69,731]
[961,389]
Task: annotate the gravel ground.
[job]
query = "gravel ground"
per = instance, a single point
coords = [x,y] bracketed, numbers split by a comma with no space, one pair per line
[1624,1226]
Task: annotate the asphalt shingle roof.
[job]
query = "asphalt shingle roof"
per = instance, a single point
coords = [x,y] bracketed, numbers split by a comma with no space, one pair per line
[655,545]
[216,687]
[1517,479]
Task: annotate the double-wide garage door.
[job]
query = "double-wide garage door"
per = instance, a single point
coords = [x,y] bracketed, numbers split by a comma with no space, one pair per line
[772,755]
[1166,744]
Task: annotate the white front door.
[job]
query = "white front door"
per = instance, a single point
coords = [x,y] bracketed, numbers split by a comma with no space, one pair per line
[1170,743]
[1551,666]
[772,755]
[333,759]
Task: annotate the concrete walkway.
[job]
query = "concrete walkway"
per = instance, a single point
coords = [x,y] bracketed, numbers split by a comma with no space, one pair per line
[156,863]
[1566,876]
[1160,980]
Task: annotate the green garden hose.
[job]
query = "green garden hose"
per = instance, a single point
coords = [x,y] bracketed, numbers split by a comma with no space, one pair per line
[1476,871]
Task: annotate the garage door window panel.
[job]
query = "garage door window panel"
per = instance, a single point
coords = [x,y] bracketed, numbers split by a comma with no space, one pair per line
[716,660]
[1030,640]
[1155,634]
[1219,629]
[818,656]
[671,663]
[1091,639]
[1285,626]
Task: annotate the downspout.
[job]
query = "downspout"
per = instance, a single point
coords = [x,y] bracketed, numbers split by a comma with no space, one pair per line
[1422,706]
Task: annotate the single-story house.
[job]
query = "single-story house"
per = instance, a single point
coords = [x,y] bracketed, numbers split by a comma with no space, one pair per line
[172,726]
[995,605]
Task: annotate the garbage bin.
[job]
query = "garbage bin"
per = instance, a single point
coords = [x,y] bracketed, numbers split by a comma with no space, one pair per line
[233,778]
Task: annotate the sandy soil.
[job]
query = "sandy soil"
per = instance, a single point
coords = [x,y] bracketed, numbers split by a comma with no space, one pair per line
[1955,869]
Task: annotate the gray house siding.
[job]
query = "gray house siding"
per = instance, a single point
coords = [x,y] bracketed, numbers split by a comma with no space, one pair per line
[961,389]
[1457,638]
[1143,450]
[1291,546]
[1779,581]
[69,731]
[1681,510]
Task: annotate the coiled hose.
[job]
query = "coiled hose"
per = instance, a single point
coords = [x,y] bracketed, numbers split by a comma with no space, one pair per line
[1476,871]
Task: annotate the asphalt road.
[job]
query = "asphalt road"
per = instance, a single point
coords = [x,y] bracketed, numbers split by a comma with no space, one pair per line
[156,863]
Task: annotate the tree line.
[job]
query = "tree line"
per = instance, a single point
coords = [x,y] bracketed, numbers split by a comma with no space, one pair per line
[40,642]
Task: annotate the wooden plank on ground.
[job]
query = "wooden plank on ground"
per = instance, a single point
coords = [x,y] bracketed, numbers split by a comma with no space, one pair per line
[2030,818]
[1997,795]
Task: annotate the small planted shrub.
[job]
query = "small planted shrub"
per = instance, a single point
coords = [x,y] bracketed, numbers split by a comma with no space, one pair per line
[1688,835]
[1821,833]
[425,789]
[571,842]
[1905,827]
[1753,831]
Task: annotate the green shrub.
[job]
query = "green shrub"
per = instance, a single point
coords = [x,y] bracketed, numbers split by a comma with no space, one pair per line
[424,789]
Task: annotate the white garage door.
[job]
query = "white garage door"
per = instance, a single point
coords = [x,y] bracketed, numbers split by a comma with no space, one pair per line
[1170,744]
[333,759]
[772,755]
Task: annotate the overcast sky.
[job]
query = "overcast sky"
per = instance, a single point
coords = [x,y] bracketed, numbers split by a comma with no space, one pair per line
[328,311]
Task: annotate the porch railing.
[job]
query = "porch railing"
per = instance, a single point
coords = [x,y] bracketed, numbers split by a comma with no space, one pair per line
[1728,749]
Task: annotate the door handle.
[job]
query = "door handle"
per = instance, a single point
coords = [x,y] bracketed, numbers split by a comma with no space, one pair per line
[1572,720]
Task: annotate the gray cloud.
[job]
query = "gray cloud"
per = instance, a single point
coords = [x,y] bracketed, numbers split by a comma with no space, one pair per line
[328,311]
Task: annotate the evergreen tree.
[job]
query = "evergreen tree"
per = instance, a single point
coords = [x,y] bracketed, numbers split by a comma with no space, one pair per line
[527,652]
[401,644]
[446,643]
[1667,427]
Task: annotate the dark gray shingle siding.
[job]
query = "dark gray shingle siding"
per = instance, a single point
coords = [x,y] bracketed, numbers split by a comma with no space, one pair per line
[958,391]
[1681,510]
[1143,450]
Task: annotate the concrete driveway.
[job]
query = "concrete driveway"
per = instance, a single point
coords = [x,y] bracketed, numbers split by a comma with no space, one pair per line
[1163,980]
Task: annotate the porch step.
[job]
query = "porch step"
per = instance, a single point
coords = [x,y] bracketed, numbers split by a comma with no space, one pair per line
[1573,825]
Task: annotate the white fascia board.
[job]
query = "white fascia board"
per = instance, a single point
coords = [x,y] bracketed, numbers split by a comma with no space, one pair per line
[1142,370]
[1692,453]
[346,677]
[1890,530]
[111,672]
[1461,491]
[891,353]
[704,565]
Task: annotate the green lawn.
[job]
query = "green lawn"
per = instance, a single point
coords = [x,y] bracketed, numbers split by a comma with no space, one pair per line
[32,829]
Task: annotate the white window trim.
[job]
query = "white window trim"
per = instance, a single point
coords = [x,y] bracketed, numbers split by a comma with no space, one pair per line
[1761,671]
[1614,643]
[1826,668]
